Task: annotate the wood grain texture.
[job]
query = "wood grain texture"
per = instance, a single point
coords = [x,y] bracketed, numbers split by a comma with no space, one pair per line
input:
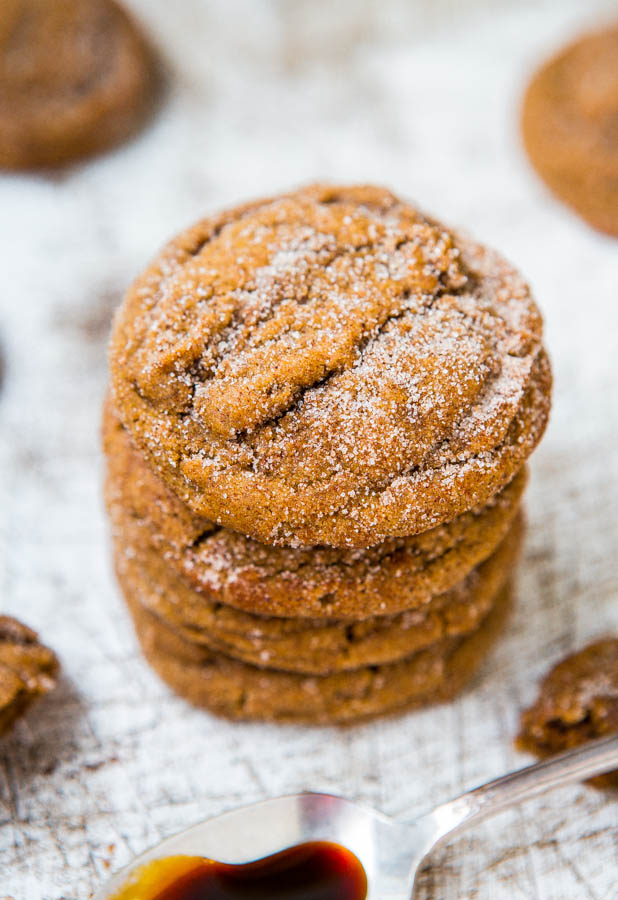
[112,761]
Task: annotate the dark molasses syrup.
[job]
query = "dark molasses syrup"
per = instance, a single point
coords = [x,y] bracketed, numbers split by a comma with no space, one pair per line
[312,871]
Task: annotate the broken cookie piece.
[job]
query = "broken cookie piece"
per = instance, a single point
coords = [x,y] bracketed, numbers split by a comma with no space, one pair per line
[27,670]
[578,701]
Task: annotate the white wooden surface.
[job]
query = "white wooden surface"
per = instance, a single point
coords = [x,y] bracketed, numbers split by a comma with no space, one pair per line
[112,761]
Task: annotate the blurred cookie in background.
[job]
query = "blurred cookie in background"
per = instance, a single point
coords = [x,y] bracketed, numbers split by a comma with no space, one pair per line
[76,77]
[578,701]
[570,126]
[27,670]
[330,367]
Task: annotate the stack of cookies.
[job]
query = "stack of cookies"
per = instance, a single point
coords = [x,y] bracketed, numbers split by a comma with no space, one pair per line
[321,405]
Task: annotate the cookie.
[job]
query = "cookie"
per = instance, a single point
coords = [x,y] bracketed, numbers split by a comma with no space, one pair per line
[76,77]
[578,701]
[320,582]
[240,691]
[27,670]
[570,126]
[330,367]
[301,645]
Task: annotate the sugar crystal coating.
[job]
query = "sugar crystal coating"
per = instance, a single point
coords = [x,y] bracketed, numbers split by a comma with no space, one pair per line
[330,366]
[307,582]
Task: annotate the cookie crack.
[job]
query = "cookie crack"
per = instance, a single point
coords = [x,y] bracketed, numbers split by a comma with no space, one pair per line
[497,449]
[371,336]
[204,536]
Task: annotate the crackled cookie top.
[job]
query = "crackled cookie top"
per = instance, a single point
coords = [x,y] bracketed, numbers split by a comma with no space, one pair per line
[330,367]
[75,77]
[570,126]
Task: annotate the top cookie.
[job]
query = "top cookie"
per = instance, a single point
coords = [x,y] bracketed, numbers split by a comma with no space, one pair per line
[330,367]
[570,126]
[75,77]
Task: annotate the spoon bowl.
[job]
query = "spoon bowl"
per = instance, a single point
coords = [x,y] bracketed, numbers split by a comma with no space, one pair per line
[390,852]
[386,849]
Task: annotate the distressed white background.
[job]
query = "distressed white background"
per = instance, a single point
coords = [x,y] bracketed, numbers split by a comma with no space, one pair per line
[265,95]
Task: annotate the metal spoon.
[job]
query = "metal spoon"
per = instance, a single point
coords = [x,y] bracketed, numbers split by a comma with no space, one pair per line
[391,852]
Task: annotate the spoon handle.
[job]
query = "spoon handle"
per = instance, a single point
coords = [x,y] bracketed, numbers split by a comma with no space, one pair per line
[590,759]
